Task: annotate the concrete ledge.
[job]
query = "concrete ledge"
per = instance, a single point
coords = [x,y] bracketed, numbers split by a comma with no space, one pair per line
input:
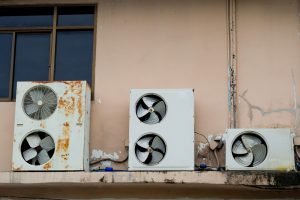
[246,178]
[208,184]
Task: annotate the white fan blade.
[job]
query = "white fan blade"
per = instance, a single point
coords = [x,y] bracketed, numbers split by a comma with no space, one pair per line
[31,108]
[142,156]
[259,152]
[45,111]
[249,141]
[33,140]
[157,143]
[238,148]
[149,101]
[47,143]
[35,95]
[29,154]
[141,112]
[43,157]
[153,119]
[160,107]
[144,142]
[50,98]
[245,160]
[156,157]
[34,160]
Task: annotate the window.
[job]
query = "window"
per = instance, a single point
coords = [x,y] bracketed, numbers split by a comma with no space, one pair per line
[45,43]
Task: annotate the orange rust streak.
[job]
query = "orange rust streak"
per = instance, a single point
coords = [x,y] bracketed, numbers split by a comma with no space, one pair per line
[47,166]
[63,143]
[79,107]
[67,104]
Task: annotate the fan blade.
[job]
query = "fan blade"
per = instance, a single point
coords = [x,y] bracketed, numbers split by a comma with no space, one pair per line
[35,95]
[47,143]
[33,140]
[31,108]
[153,119]
[144,142]
[160,107]
[43,157]
[244,160]
[249,141]
[141,112]
[156,157]
[158,144]
[259,153]
[149,101]
[238,148]
[45,111]
[33,161]
[29,154]
[142,156]
[50,98]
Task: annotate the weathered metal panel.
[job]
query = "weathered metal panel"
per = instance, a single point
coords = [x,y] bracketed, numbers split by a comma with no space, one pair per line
[68,126]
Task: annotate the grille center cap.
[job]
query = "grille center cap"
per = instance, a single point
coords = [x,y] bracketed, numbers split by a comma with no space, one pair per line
[40,102]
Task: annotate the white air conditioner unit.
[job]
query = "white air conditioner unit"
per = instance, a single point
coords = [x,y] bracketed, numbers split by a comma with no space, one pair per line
[161,132]
[259,149]
[51,130]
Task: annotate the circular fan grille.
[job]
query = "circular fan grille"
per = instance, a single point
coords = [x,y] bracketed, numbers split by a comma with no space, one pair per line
[249,150]
[39,102]
[37,148]
[151,109]
[150,149]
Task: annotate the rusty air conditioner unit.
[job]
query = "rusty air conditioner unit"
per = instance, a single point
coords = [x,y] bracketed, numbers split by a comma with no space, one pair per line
[51,129]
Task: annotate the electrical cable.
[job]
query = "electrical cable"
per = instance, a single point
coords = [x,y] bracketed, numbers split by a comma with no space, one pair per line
[202,136]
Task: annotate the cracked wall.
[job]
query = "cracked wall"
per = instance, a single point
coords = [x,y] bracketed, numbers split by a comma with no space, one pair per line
[268,64]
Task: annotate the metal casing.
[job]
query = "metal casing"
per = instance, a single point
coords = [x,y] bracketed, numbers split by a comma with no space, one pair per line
[280,153]
[68,126]
[176,129]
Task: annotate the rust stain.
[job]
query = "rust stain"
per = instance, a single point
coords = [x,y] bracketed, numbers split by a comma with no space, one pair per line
[64,142]
[79,108]
[14,168]
[47,166]
[68,104]
[65,156]
[42,124]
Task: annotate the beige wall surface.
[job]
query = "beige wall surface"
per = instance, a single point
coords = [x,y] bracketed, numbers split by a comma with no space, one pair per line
[268,54]
[149,44]
[183,44]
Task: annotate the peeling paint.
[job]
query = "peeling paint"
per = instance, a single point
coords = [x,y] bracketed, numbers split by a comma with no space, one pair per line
[99,154]
[47,166]
[63,142]
[68,104]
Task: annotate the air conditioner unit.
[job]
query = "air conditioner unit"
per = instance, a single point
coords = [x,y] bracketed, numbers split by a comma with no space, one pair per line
[259,149]
[52,126]
[161,129]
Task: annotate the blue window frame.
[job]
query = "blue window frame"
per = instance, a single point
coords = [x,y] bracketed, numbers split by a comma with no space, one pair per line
[45,44]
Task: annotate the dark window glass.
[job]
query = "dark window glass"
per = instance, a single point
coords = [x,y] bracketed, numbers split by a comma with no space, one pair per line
[32,57]
[5,61]
[76,16]
[26,17]
[74,53]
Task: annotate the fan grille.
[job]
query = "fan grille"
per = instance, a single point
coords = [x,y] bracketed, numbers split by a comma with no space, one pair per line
[150,149]
[39,102]
[37,148]
[249,149]
[151,109]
